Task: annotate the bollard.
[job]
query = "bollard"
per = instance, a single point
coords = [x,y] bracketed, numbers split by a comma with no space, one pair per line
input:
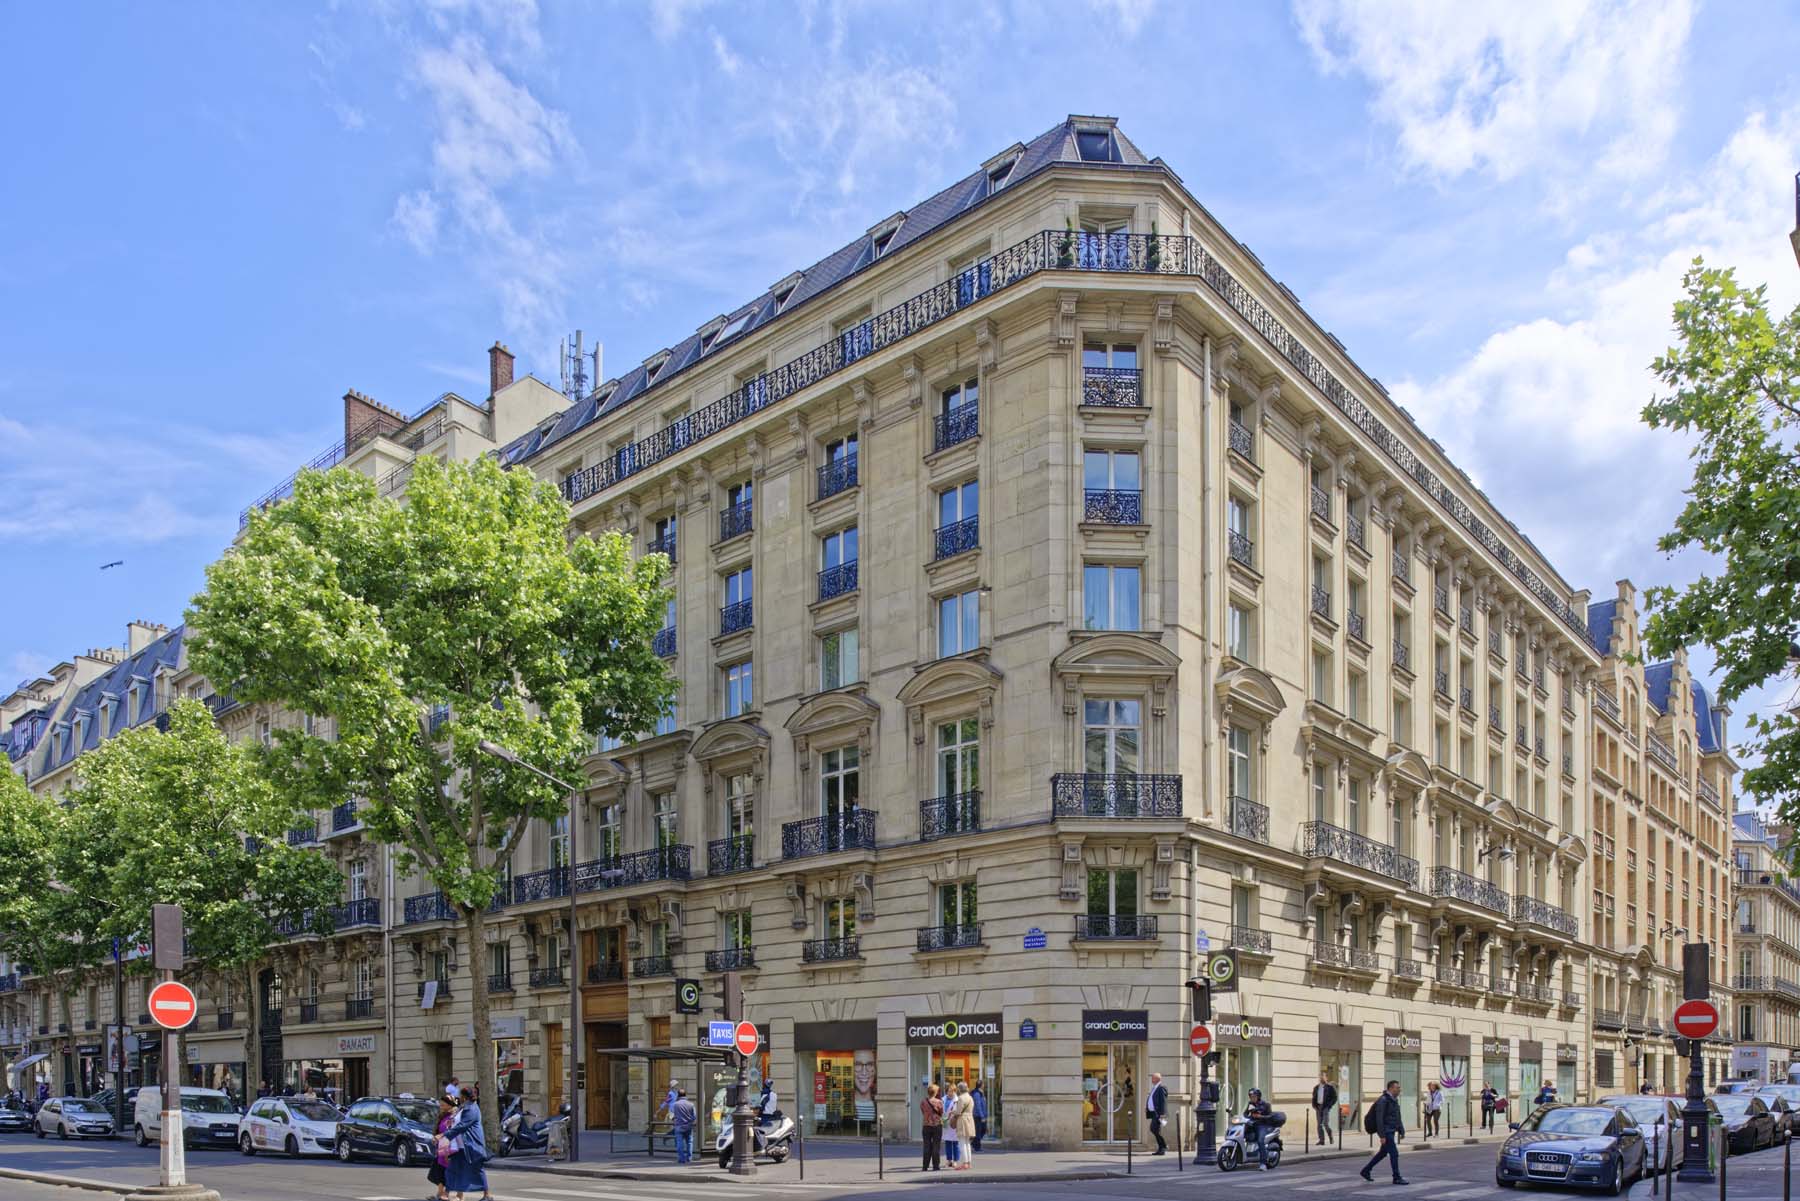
[1307,1149]
[1128,1146]
[1787,1167]
[800,1147]
[880,1154]
[1181,1147]
[1724,1154]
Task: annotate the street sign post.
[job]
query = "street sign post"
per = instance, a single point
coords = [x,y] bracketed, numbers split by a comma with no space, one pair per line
[721,1034]
[172,1006]
[1696,986]
[1696,1019]
[746,1039]
[1200,1040]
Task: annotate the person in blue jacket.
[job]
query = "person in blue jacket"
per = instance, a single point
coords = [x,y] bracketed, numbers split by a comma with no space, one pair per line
[981,1115]
[467,1168]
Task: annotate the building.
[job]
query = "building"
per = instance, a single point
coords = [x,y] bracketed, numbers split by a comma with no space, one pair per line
[1765,950]
[1662,833]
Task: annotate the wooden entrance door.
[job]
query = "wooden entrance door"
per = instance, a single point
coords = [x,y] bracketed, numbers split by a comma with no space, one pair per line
[556,1075]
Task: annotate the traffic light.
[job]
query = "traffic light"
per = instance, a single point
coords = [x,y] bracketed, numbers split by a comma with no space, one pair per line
[731,998]
[1201,990]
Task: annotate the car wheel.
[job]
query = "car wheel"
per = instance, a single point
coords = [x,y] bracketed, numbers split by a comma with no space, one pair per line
[343,1150]
[39,1129]
[402,1155]
[292,1148]
[139,1136]
[245,1144]
[62,1132]
[1618,1178]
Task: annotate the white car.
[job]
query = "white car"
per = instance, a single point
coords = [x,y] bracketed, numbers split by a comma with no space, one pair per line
[72,1117]
[209,1118]
[296,1125]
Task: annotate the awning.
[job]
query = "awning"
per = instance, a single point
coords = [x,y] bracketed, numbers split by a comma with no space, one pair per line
[690,1054]
[28,1060]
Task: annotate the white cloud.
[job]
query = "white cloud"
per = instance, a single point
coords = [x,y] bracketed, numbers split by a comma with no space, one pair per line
[668,17]
[828,128]
[22,666]
[416,217]
[1503,88]
[727,59]
[1127,16]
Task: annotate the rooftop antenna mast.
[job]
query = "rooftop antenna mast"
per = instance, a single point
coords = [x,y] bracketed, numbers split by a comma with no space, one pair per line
[574,368]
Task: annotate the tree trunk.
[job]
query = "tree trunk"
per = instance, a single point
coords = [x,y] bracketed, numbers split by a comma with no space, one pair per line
[474,922]
[67,1041]
[252,1044]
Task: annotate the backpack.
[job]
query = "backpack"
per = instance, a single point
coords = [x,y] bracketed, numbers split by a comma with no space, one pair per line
[1370,1126]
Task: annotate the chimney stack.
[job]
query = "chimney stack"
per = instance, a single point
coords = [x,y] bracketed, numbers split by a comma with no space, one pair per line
[500,368]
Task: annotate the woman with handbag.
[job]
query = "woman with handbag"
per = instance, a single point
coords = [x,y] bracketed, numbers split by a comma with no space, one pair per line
[467,1143]
[962,1114]
[435,1174]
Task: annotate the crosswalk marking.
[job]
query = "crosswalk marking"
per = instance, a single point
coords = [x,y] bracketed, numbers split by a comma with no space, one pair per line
[1479,1190]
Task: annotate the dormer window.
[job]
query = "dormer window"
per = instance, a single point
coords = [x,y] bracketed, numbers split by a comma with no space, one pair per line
[653,366]
[81,724]
[735,326]
[785,289]
[996,178]
[139,692]
[882,236]
[59,740]
[709,333]
[1096,146]
[109,708]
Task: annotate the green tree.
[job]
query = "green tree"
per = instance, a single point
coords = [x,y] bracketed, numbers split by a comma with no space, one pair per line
[185,818]
[467,613]
[1733,380]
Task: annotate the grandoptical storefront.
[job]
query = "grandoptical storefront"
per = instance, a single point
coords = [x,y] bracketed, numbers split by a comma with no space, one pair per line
[1495,1056]
[1112,1064]
[1246,1048]
[947,1051]
[1567,1056]
[1400,1052]
[1531,1073]
[1453,1078]
[835,1086]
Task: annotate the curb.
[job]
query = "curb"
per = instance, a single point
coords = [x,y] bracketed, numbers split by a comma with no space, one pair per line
[81,1182]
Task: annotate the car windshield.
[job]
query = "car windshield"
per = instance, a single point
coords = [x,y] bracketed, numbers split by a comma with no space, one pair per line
[201,1103]
[77,1106]
[1646,1110]
[422,1112]
[1788,1092]
[312,1111]
[1570,1121]
[1733,1105]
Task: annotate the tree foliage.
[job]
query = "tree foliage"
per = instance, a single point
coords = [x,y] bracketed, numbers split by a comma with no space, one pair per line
[1733,380]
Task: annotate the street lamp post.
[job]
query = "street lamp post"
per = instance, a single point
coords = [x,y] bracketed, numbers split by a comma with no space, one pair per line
[574,1124]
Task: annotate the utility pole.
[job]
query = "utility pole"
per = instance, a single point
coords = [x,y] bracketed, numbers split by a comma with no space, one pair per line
[167,957]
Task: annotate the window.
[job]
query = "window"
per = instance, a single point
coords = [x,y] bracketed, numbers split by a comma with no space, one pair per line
[668,820]
[364,979]
[1402,829]
[740,691]
[559,840]
[1096,146]
[665,721]
[838,659]
[997,177]
[1321,793]
[609,833]
[840,784]
[740,806]
[1120,355]
[499,962]
[736,934]
[1353,805]
[958,757]
[841,450]
[840,917]
[1321,676]
[1110,597]
[959,623]
[1237,517]
[1237,632]
[960,398]
[837,549]
[664,532]
[1110,736]
[1109,470]
[740,495]
[1402,730]
[1238,763]
[1356,695]
[956,904]
[739,586]
[357,880]
[959,520]
[1112,892]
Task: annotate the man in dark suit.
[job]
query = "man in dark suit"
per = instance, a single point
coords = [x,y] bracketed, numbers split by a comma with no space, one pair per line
[1157,1107]
[1386,1123]
[1324,1103]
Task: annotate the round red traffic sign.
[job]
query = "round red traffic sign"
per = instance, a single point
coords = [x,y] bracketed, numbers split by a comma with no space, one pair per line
[1200,1039]
[172,1005]
[1696,1019]
[746,1039]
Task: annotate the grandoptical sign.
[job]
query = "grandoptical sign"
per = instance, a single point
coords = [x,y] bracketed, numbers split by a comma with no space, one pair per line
[1496,1048]
[1115,1025]
[1403,1042]
[955,1028]
[1236,1030]
[1568,1053]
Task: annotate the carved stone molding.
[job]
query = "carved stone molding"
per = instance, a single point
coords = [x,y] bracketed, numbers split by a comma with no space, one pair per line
[1071,886]
[1065,317]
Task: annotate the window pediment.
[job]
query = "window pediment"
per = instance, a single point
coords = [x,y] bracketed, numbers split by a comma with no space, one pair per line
[724,739]
[1571,847]
[1249,690]
[1504,813]
[836,710]
[1116,655]
[1408,765]
[948,680]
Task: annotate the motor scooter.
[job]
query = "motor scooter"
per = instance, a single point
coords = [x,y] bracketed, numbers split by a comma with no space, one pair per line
[772,1136]
[1237,1148]
[519,1133]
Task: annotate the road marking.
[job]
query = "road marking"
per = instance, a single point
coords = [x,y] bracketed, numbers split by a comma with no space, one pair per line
[1480,1190]
[632,1190]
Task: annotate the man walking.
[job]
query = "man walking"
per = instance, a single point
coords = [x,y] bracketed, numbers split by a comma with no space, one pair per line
[1157,1108]
[1385,1122]
[683,1115]
[981,1114]
[1324,1103]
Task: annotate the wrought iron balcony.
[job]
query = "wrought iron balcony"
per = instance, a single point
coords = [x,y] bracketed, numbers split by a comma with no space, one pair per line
[1568,763]
[309,1012]
[1468,620]
[1538,746]
[301,836]
[1708,793]
[1537,994]
[837,476]
[1249,938]
[1402,656]
[736,520]
[1402,568]
[950,938]
[957,537]
[1344,959]
[540,886]
[428,907]
[9,982]
[854,830]
[1455,977]
[1240,439]
[1354,532]
[1521,668]
[1468,698]
[731,959]
[358,1008]
[1660,751]
[364,911]
[1247,819]
[1542,913]
[830,950]
[1241,548]
[1461,886]
[664,546]
[1537,678]
[1114,506]
[957,813]
[1496,643]
[343,816]
[836,581]
[1322,840]
[1571,1000]
[1112,387]
[1121,794]
[673,862]
[1606,703]
[607,971]
[1499,986]
[958,425]
[662,643]
[1519,735]
[227,1019]
[1409,969]
[738,616]
[1494,718]
[1443,684]
[652,965]
[1354,623]
[1440,599]
[1321,504]
[500,982]
[547,977]
[1321,601]
[734,854]
[1117,926]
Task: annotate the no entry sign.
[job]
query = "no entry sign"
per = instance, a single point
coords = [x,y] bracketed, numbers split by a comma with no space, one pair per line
[747,1039]
[1696,1019]
[172,1005]
[1200,1040]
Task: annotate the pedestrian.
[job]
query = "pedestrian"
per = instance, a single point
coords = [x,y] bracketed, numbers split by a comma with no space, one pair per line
[931,1119]
[981,1115]
[467,1143]
[1434,1106]
[262,1090]
[1157,1110]
[769,1107]
[964,1113]
[1545,1094]
[441,1146]
[952,1135]
[1385,1121]
[1324,1101]
[683,1115]
[1489,1101]
[453,1090]
[668,1101]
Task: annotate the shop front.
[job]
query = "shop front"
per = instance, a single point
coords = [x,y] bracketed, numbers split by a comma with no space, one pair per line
[1246,1048]
[1400,1054]
[1112,1073]
[836,1077]
[335,1067]
[960,1049]
[1453,1078]
[509,1055]
[90,1068]
[1496,1066]
[216,1063]
[1340,1061]
[1531,1074]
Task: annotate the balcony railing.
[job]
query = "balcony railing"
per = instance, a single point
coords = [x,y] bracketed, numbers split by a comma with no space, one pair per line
[1708,793]
[364,911]
[547,977]
[1661,751]
[830,950]
[1112,387]
[357,1009]
[738,616]
[1342,958]
[1537,994]
[674,862]
[607,971]
[664,546]
[1321,504]
[837,476]
[652,965]
[1126,926]
[227,1019]
[1353,527]
[1606,703]
[736,853]
[1500,986]
[1610,1019]
[1571,1000]
[957,537]
[1321,601]
[950,938]
[309,1012]
[1354,623]
[1538,747]
[1409,969]
[1442,683]
[1322,840]
[1241,548]
[1091,794]
[1249,938]
[1461,886]
[849,831]
[1496,644]
[1402,656]
[1247,819]
[1568,763]
[838,580]
[540,886]
[1456,977]
[731,959]
[736,520]
[957,813]
[662,643]
[1467,619]
[1402,568]
[957,425]
[428,907]
[301,836]
[1494,718]
[1542,913]
[1241,440]
[498,982]
[1440,599]
[343,816]
[1468,701]
[1114,506]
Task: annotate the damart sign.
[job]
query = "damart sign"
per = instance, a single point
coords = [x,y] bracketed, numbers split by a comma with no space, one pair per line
[961,1028]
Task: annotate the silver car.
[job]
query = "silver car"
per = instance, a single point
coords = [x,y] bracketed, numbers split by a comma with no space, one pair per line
[72,1117]
[1660,1120]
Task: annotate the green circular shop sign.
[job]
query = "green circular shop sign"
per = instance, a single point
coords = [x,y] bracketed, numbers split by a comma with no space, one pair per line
[690,993]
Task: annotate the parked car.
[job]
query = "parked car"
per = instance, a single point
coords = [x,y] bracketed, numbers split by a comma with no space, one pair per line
[1726,1088]
[72,1117]
[296,1125]
[398,1129]
[15,1117]
[104,1099]
[1659,1118]
[1783,1101]
[1586,1146]
[1748,1123]
[209,1118]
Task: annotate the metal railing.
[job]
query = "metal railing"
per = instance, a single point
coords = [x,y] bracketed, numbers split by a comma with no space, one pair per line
[1467,620]
[607,971]
[1241,548]
[950,938]
[1249,938]
[1247,819]
[1460,885]
[1321,504]
[364,911]
[1342,958]
[1239,438]
[653,965]
[1354,625]
[662,643]
[443,989]
[1112,387]
[954,426]
[1322,840]
[1496,644]
[1571,999]
[837,476]
[1708,793]
[957,537]
[740,615]
[1494,718]
[1321,601]
[1538,994]
[736,853]
[955,813]
[1113,506]
[301,836]
[1102,926]
[427,907]
[1442,683]
[227,1019]
[736,520]
[1353,531]
[1120,794]
[1500,986]
[673,862]
[1660,751]
[343,816]
[1409,969]
[1402,568]
[499,982]
[1542,913]
[547,977]
[664,546]
[731,959]
[1612,1019]
[830,950]
[540,886]
[848,831]
[309,1012]
[1440,599]
[1402,656]
[1451,976]
[359,1008]
[1607,703]
[838,580]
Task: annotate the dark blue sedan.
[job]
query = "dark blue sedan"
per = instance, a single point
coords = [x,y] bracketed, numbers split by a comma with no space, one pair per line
[1573,1146]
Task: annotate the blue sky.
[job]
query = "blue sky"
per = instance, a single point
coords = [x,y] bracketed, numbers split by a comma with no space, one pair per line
[217,218]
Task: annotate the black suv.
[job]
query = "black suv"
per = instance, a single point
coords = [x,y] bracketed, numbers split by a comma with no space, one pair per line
[397,1129]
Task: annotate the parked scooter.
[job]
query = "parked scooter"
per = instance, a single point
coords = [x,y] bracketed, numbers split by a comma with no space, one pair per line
[1237,1148]
[519,1133]
[773,1137]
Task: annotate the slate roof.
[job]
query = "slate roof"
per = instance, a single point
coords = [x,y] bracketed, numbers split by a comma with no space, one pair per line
[1599,621]
[1657,677]
[1749,824]
[165,651]
[1056,145]
[1710,722]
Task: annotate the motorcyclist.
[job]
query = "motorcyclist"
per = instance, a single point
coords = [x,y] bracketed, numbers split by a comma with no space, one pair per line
[768,1108]
[1255,1110]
